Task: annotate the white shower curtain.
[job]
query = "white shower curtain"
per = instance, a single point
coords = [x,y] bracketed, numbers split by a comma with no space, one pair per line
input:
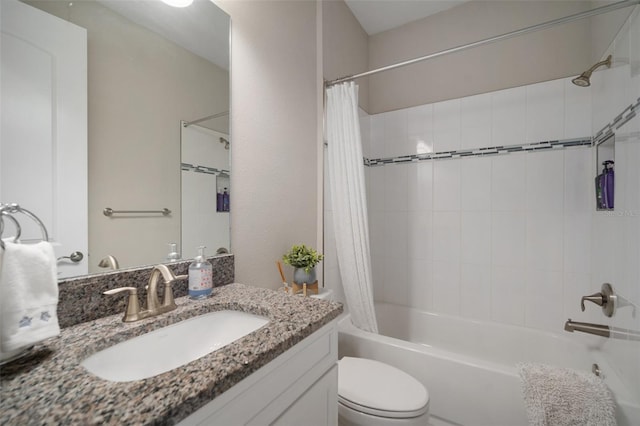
[348,197]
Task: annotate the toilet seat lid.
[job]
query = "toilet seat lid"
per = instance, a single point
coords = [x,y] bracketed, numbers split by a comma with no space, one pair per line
[380,389]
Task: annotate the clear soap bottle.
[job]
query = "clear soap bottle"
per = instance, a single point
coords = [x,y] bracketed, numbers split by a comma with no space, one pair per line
[173,255]
[200,276]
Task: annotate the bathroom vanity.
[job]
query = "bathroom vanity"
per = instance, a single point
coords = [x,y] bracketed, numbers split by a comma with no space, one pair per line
[283,373]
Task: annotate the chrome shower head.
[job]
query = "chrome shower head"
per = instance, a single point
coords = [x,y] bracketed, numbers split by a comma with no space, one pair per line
[584,79]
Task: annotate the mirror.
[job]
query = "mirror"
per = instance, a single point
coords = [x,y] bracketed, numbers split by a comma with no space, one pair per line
[151,67]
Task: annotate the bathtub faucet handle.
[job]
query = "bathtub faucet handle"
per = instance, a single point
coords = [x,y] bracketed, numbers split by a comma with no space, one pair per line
[606,299]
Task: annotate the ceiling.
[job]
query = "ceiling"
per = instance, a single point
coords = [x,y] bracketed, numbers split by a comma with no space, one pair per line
[202,28]
[380,15]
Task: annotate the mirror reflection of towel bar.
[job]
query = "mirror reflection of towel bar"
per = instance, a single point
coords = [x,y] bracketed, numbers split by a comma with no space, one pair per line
[110,212]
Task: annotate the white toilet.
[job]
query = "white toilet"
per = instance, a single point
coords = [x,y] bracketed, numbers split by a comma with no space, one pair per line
[371,393]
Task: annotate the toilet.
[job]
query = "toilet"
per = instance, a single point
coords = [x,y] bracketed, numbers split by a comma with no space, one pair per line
[372,393]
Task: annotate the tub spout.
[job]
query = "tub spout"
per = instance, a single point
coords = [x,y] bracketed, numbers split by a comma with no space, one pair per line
[585,327]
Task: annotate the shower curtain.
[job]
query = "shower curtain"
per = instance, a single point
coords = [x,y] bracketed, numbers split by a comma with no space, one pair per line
[348,197]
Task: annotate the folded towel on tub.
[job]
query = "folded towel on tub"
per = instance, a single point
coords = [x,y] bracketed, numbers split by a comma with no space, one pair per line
[28,295]
[557,396]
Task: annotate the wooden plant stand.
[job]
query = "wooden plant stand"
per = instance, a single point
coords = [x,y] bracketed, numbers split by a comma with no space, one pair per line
[305,288]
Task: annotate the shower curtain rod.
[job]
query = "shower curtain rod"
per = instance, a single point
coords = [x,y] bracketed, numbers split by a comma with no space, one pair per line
[209,117]
[538,27]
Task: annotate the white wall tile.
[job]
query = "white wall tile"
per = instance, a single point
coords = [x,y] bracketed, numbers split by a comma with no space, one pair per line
[476,238]
[378,277]
[377,233]
[545,111]
[420,192]
[446,287]
[508,239]
[420,280]
[376,138]
[544,307]
[577,111]
[446,185]
[420,129]
[395,288]
[508,183]
[395,133]
[420,235]
[475,121]
[365,132]
[475,183]
[508,295]
[578,180]
[376,191]
[396,188]
[508,118]
[446,236]
[545,181]
[446,125]
[577,243]
[395,233]
[475,291]
[544,240]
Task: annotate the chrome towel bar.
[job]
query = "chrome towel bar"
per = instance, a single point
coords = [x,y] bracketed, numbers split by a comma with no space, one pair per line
[7,210]
[110,212]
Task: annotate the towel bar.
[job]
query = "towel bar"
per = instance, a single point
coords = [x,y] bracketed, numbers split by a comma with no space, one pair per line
[110,212]
[8,210]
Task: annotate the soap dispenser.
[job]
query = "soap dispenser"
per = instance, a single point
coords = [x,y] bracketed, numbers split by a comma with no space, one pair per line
[200,276]
[173,255]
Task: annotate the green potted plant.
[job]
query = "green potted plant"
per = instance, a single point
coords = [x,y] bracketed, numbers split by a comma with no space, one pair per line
[304,259]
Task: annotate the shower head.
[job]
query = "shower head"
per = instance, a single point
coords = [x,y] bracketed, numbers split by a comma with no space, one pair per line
[583,80]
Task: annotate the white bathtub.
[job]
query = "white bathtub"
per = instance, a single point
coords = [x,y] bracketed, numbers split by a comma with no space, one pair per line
[468,366]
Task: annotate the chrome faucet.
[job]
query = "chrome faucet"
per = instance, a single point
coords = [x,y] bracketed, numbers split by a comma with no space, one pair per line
[133,312]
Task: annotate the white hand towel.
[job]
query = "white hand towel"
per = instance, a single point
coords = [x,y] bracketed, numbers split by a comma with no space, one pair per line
[28,295]
[556,396]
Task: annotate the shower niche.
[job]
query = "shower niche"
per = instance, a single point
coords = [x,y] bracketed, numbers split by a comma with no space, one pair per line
[604,184]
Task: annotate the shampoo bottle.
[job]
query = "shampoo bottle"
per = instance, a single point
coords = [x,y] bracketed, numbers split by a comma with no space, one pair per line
[219,201]
[225,200]
[608,184]
[200,276]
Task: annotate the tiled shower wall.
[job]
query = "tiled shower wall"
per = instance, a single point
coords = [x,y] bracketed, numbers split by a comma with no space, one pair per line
[615,245]
[503,238]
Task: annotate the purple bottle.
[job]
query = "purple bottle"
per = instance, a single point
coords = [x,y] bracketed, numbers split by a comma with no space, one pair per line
[219,201]
[608,184]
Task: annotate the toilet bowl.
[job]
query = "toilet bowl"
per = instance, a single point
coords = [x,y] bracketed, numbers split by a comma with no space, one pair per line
[371,393]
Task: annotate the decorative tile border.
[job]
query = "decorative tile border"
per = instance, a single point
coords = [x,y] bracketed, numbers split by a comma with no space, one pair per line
[202,169]
[479,152]
[620,120]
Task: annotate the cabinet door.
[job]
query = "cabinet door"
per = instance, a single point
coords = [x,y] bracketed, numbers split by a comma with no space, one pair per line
[318,406]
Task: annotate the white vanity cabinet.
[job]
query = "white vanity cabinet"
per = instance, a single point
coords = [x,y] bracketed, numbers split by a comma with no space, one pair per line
[300,387]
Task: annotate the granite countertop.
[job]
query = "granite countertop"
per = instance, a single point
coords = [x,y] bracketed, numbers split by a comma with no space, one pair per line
[49,386]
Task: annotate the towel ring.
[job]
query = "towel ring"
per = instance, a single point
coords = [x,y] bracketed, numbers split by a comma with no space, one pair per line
[8,210]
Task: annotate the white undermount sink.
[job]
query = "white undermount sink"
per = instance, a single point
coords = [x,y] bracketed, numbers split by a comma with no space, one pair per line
[170,347]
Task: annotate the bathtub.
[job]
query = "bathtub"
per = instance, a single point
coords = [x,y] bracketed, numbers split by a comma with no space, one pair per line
[468,366]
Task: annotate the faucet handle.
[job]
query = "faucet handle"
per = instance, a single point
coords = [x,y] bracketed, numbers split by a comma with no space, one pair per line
[132,312]
[168,291]
[606,298]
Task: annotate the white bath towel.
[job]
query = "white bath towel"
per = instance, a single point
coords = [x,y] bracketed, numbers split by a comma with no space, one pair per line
[28,295]
[557,396]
